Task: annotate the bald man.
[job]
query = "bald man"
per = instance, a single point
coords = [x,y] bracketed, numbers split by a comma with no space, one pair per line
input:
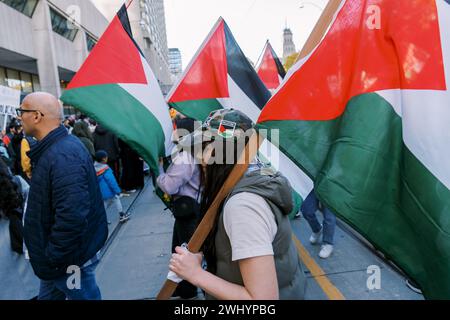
[65,221]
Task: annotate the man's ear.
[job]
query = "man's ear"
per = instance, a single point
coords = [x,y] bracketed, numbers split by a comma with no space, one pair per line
[37,117]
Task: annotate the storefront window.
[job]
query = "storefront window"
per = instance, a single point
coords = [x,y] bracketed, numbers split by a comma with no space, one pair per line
[27,85]
[13,79]
[36,83]
[23,81]
[2,77]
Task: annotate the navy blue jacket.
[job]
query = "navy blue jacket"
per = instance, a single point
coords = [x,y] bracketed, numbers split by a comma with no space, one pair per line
[65,221]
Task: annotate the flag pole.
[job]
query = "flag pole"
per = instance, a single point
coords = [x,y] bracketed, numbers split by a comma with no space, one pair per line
[320,28]
[207,222]
[239,170]
[129,3]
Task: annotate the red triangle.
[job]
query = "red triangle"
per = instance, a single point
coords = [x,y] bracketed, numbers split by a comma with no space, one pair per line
[207,77]
[354,58]
[268,71]
[114,59]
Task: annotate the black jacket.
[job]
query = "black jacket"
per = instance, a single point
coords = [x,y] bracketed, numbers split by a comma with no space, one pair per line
[65,221]
[107,141]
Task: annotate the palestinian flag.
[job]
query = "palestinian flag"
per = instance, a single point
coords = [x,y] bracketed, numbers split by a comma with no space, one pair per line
[220,76]
[367,116]
[116,87]
[270,69]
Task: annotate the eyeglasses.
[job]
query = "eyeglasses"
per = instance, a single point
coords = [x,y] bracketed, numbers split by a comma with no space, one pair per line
[20,112]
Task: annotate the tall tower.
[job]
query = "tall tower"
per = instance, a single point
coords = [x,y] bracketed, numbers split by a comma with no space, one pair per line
[288,44]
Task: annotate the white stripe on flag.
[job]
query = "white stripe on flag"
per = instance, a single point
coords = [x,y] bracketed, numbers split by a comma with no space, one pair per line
[240,101]
[426,113]
[151,97]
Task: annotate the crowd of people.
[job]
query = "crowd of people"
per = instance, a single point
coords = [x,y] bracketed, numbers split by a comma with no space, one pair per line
[61,174]
[58,177]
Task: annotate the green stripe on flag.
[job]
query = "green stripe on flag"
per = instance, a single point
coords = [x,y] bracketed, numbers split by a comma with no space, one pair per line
[120,112]
[366,174]
[197,109]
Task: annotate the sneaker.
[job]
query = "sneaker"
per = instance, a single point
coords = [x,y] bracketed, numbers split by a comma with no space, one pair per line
[124,217]
[298,215]
[326,251]
[132,191]
[315,237]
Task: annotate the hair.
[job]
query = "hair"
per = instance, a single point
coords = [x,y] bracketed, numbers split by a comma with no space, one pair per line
[81,130]
[213,178]
[100,155]
[10,199]
[186,124]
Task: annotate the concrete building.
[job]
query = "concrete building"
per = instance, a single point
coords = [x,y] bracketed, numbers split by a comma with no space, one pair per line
[148,24]
[43,43]
[288,44]
[175,62]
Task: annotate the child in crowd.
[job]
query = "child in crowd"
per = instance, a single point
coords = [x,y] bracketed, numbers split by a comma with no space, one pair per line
[108,184]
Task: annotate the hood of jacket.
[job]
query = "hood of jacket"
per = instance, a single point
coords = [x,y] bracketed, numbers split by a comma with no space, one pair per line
[100,168]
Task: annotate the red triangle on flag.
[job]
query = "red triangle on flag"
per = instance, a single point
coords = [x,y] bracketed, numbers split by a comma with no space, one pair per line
[354,59]
[268,71]
[114,59]
[207,77]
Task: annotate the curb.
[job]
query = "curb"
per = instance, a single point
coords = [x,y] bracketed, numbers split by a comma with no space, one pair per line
[119,225]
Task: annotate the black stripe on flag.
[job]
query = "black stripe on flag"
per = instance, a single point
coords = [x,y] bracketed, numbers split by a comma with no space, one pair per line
[281,70]
[242,72]
[123,17]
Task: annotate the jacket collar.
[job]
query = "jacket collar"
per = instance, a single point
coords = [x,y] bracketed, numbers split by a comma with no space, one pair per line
[39,149]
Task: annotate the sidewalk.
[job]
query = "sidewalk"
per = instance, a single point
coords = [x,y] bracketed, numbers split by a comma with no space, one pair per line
[17,279]
[135,265]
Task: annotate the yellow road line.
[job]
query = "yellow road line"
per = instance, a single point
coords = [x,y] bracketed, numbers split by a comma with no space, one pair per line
[322,280]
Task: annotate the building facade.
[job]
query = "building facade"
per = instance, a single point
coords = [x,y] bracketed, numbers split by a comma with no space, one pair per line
[175,62]
[148,24]
[43,43]
[288,44]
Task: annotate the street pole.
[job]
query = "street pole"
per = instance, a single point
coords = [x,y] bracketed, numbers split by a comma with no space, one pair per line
[302,5]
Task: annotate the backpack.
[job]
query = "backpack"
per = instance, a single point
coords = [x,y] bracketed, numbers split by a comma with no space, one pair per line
[15,218]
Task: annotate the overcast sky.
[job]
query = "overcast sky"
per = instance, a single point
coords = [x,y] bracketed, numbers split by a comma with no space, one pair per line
[252,22]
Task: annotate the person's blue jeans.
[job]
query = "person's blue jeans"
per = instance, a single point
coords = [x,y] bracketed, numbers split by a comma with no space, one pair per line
[58,289]
[309,209]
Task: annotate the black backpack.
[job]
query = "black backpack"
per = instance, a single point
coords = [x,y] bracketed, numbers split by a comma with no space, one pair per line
[15,221]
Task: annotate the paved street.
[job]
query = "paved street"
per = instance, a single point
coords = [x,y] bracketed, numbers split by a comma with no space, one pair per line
[136,263]
[17,280]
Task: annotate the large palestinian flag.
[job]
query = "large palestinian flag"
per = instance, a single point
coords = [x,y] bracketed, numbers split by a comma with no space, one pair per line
[270,69]
[220,76]
[116,87]
[367,116]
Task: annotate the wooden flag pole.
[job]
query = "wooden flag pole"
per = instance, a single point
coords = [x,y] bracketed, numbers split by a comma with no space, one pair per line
[207,223]
[256,140]
[321,27]
[129,3]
